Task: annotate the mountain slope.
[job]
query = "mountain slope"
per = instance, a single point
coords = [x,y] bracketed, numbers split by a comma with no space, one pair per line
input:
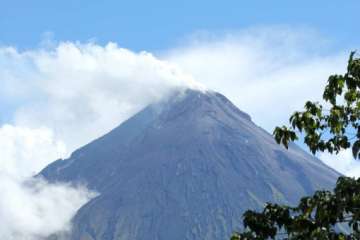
[186,168]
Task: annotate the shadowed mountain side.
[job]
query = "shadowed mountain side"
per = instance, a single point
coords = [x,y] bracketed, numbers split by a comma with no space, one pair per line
[186,168]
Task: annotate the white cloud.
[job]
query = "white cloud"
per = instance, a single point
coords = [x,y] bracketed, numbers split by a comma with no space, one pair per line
[25,151]
[36,209]
[268,73]
[64,98]
[82,91]
[32,208]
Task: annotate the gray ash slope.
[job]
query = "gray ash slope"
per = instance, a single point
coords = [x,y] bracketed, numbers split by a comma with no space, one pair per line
[184,169]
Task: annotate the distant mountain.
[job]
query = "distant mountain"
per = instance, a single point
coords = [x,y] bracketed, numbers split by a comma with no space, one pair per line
[184,169]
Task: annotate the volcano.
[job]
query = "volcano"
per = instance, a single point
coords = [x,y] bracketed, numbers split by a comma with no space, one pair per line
[185,168]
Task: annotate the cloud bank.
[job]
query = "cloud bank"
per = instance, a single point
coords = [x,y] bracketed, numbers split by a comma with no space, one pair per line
[61,96]
[35,209]
[24,151]
[60,99]
[32,209]
[81,91]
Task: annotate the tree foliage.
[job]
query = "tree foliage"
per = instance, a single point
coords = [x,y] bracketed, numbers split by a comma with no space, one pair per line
[331,126]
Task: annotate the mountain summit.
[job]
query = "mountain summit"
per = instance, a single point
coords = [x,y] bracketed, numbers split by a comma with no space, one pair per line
[184,169]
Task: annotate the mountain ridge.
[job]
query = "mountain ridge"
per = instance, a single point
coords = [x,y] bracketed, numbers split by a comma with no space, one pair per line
[185,168]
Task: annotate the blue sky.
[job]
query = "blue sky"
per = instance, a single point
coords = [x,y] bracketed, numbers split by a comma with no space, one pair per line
[158,24]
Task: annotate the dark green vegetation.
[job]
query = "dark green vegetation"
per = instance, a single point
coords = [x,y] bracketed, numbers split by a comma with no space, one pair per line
[322,215]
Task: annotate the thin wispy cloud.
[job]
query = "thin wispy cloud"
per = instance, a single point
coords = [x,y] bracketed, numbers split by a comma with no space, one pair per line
[267,72]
